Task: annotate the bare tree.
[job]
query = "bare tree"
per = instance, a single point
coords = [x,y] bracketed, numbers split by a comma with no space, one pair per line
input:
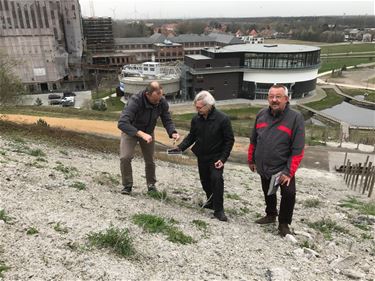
[10,84]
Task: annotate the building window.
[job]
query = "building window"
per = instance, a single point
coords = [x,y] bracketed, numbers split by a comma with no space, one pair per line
[225,83]
[208,65]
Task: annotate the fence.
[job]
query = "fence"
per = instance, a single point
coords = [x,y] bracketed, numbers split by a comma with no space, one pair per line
[359,175]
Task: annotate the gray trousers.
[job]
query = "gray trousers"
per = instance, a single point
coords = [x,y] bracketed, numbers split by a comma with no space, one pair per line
[127,149]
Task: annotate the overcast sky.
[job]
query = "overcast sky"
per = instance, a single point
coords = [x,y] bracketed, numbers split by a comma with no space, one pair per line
[146,9]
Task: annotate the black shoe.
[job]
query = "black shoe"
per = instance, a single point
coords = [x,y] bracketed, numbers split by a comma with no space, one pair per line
[220,216]
[151,188]
[284,229]
[126,190]
[208,205]
[266,220]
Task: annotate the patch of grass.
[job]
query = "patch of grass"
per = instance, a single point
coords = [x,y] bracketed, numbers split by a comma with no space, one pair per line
[32,231]
[3,268]
[3,153]
[366,236]
[64,152]
[118,240]
[69,172]
[245,210]
[362,207]
[330,100]
[327,227]
[107,179]
[338,63]
[36,152]
[41,159]
[311,203]
[59,228]
[78,185]
[35,164]
[307,244]
[232,196]
[155,224]
[202,225]
[4,217]
[159,195]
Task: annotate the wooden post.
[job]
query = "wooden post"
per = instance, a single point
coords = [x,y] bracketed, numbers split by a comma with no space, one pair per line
[363,173]
[346,156]
[353,175]
[371,186]
[357,175]
[368,173]
[347,171]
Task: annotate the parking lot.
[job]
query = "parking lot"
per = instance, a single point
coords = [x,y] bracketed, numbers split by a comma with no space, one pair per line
[82,98]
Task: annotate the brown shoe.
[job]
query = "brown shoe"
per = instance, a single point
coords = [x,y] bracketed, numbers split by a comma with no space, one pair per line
[266,220]
[284,229]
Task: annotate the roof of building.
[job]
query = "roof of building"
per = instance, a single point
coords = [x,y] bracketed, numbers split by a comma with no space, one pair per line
[155,38]
[225,38]
[199,57]
[265,48]
[192,38]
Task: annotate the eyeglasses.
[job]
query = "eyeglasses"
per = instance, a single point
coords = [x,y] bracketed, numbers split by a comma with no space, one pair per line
[276,97]
[200,107]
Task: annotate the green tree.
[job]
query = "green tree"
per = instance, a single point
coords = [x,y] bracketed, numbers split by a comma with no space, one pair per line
[10,84]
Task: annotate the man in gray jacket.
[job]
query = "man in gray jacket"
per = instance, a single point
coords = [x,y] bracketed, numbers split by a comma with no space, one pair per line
[277,146]
[137,123]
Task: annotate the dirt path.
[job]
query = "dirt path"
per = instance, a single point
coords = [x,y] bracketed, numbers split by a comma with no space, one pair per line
[104,128]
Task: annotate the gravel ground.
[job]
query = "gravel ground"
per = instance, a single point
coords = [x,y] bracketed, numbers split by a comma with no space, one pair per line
[34,192]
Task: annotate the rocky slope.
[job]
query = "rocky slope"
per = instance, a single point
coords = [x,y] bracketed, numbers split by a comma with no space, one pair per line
[52,197]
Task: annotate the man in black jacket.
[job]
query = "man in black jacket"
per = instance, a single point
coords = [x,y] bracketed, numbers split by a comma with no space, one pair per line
[137,123]
[277,146]
[212,136]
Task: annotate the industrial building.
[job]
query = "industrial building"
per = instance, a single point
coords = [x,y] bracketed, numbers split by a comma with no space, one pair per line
[248,70]
[45,37]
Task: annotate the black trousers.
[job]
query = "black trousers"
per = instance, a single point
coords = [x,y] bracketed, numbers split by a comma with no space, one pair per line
[213,183]
[288,199]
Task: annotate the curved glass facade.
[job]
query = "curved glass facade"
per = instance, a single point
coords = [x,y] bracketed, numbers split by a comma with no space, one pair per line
[282,60]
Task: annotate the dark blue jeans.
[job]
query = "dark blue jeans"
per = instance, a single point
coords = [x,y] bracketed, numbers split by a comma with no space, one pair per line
[288,199]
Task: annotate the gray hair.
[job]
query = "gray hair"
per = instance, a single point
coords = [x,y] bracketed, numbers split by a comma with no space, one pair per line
[206,97]
[277,86]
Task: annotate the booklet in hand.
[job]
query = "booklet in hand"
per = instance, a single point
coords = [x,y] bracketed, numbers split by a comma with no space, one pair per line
[174,151]
[274,184]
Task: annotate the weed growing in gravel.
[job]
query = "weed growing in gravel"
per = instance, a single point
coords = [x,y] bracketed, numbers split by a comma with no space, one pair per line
[2,152]
[64,152]
[4,217]
[41,159]
[107,179]
[69,172]
[32,230]
[202,225]
[311,203]
[59,228]
[115,239]
[155,224]
[78,185]
[35,164]
[326,227]
[3,268]
[159,195]
[306,244]
[362,207]
[366,236]
[232,196]
[36,152]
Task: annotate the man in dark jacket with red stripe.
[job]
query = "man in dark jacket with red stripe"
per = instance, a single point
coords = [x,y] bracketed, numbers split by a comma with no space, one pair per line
[277,145]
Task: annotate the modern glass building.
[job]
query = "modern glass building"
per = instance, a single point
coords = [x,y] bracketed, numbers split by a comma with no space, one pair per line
[248,70]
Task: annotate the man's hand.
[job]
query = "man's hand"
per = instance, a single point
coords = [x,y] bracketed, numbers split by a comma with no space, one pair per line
[284,180]
[175,137]
[146,137]
[252,167]
[218,164]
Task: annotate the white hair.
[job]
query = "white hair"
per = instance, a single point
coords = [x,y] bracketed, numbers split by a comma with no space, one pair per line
[206,97]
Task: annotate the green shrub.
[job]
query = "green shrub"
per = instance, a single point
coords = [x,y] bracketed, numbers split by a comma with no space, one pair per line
[118,240]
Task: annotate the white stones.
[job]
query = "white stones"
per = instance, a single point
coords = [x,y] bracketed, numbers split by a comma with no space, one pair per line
[278,274]
[305,234]
[353,274]
[310,253]
[290,238]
